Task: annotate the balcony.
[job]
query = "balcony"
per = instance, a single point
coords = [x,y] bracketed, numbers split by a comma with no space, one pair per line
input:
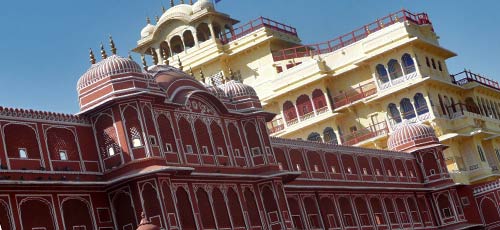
[397,81]
[355,94]
[254,25]
[352,37]
[467,76]
[278,125]
[364,134]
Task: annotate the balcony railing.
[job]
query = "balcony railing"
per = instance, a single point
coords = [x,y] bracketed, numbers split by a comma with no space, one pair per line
[352,37]
[254,25]
[459,109]
[275,125]
[307,116]
[467,76]
[353,95]
[364,134]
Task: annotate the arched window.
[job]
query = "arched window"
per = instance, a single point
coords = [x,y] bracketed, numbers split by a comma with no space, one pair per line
[394,112]
[202,32]
[407,108]
[408,64]
[319,99]
[176,44]
[420,104]
[165,49]
[394,69]
[289,111]
[329,136]
[188,39]
[304,105]
[314,137]
[382,73]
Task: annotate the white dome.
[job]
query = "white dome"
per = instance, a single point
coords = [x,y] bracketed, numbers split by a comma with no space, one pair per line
[179,11]
[202,4]
[148,30]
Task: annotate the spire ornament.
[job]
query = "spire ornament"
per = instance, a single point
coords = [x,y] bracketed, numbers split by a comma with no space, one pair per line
[191,72]
[144,63]
[180,63]
[202,76]
[164,56]
[163,10]
[112,45]
[182,1]
[103,52]
[130,56]
[190,2]
[154,55]
[231,74]
[157,19]
[172,3]
[148,20]
[92,57]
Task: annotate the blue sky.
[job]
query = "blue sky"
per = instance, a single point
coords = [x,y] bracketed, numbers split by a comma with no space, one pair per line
[44,44]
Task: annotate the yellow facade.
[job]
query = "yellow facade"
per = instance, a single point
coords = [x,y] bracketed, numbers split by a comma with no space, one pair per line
[359,97]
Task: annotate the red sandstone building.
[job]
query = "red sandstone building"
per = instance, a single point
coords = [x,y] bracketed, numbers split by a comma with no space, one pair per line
[193,156]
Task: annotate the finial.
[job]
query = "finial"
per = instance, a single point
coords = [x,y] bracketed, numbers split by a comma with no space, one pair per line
[92,57]
[190,2]
[182,1]
[180,63]
[148,20]
[130,56]
[157,18]
[103,52]
[212,81]
[144,64]
[202,76]
[171,3]
[191,72]
[164,56]
[154,55]
[163,10]
[112,45]
[231,74]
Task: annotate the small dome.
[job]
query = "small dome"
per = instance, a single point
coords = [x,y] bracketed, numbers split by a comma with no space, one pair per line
[178,11]
[235,89]
[147,30]
[113,65]
[409,135]
[146,224]
[202,4]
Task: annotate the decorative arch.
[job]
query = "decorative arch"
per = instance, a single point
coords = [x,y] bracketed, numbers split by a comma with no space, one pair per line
[188,39]
[122,203]
[382,75]
[133,127]
[252,208]
[394,69]
[315,161]
[6,215]
[176,44]
[185,208]
[270,205]
[221,211]
[151,203]
[165,49]
[408,64]
[203,32]
[63,146]
[207,216]
[407,108]
[218,137]
[39,207]
[393,112]
[203,137]
[319,99]
[281,159]
[19,137]
[445,208]
[329,136]
[76,211]
[314,136]
[489,211]
[304,105]
[297,160]
[252,137]
[236,144]
[167,138]
[363,211]
[328,212]
[420,104]
[235,208]
[312,213]
[347,212]
[378,211]
[391,211]
[107,140]
[297,218]
[289,111]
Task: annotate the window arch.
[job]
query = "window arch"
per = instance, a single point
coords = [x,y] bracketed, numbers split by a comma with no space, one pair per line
[176,44]
[394,69]
[314,137]
[394,112]
[188,39]
[407,108]
[289,111]
[304,105]
[319,99]
[329,135]
[202,32]
[382,73]
[420,104]
[408,64]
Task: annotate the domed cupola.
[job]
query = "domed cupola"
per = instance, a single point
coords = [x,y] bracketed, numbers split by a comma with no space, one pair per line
[148,29]
[409,137]
[202,5]
[111,77]
[242,96]
[213,88]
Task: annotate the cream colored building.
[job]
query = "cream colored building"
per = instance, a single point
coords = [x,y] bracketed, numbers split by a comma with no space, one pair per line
[353,90]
